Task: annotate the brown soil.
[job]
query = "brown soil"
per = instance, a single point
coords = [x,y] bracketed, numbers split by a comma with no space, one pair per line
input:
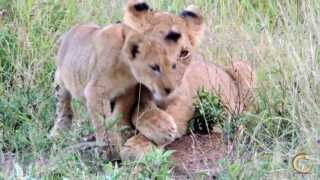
[195,154]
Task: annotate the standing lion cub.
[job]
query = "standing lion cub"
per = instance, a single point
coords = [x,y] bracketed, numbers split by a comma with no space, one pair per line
[101,64]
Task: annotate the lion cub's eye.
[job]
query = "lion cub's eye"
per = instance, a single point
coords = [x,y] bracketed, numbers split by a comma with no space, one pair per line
[155,67]
[174,66]
[184,53]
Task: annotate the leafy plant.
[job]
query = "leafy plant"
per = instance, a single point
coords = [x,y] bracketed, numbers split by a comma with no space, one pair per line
[155,165]
[209,111]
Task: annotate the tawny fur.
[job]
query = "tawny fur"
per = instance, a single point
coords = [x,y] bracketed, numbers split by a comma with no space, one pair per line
[162,121]
[99,64]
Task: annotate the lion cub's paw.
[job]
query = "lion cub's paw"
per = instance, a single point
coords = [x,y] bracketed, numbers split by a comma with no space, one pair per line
[135,148]
[109,145]
[158,126]
[61,125]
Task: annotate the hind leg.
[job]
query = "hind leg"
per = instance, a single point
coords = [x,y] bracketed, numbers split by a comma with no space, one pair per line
[64,113]
[245,79]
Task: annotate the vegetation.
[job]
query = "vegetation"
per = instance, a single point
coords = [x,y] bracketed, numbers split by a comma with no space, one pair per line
[280,38]
[209,112]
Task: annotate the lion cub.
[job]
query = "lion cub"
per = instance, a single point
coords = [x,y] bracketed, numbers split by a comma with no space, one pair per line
[160,122]
[100,64]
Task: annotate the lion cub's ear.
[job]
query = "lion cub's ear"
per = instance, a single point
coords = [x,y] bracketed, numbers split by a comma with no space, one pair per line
[195,23]
[137,7]
[173,36]
[133,46]
[136,14]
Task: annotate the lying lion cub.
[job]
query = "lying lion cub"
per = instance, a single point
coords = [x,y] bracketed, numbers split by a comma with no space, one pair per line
[161,121]
[99,64]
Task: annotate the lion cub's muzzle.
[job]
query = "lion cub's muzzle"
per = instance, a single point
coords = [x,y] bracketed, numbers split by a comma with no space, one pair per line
[163,94]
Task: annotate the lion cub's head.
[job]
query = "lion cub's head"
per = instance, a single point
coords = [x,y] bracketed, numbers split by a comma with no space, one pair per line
[190,22]
[152,62]
[178,33]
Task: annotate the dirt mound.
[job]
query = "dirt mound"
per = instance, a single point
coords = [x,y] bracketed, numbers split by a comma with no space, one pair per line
[193,155]
[198,154]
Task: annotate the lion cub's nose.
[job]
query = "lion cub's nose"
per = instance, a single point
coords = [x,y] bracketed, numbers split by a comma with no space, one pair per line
[167,90]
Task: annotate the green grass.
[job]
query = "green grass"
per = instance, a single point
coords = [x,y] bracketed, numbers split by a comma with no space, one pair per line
[209,112]
[280,38]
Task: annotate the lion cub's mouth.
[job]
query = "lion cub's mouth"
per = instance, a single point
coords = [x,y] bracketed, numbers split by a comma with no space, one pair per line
[162,100]
[158,99]
[157,96]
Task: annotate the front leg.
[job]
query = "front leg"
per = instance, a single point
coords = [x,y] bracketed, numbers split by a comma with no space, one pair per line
[153,122]
[162,126]
[95,105]
[99,109]
[122,112]
[158,126]
[181,110]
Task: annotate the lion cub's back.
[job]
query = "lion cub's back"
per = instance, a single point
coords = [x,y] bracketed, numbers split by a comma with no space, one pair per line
[76,40]
[204,74]
[74,56]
